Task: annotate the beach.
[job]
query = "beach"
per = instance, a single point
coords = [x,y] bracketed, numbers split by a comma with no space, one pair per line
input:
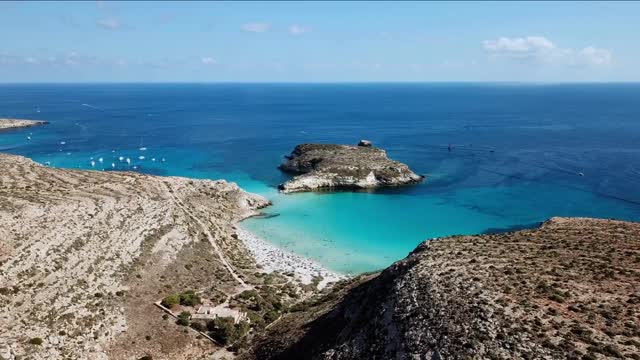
[271,258]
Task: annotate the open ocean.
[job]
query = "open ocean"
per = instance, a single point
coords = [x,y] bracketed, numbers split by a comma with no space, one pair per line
[521,153]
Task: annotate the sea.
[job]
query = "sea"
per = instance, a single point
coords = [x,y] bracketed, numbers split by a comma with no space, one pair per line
[497,156]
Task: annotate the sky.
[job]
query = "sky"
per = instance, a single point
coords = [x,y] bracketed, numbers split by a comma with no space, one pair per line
[104,41]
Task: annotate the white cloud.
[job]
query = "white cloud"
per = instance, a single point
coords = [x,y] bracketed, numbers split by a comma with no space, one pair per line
[109,23]
[206,60]
[68,59]
[519,45]
[538,49]
[298,29]
[595,56]
[256,27]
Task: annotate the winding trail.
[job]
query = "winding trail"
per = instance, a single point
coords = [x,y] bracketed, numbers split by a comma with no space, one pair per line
[243,285]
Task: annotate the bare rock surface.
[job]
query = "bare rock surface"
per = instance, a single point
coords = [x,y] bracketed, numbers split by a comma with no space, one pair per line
[6,124]
[85,254]
[343,167]
[568,290]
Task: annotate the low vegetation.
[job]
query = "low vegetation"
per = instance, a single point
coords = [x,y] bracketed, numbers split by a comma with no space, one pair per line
[187,298]
[224,330]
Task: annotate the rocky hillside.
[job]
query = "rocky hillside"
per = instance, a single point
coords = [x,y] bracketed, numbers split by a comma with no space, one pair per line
[568,290]
[85,254]
[343,167]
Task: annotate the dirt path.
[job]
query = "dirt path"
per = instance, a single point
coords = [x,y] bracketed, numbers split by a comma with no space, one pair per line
[243,286]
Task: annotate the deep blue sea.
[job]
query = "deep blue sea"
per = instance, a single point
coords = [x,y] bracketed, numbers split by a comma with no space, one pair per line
[520,153]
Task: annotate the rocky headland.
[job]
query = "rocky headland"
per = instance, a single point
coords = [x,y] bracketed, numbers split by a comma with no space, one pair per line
[568,290]
[321,167]
[6,124]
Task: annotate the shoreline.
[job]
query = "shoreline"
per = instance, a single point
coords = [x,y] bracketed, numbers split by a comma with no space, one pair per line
[272,258]
[8,124]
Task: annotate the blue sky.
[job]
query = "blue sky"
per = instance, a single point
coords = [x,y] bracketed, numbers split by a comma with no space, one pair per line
[319,41]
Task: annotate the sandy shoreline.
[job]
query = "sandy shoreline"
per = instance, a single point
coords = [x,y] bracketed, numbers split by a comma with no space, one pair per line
[272,258]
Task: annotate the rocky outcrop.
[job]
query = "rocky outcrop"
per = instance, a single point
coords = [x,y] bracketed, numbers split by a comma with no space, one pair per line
[568,290]
[343,167]
[6,124]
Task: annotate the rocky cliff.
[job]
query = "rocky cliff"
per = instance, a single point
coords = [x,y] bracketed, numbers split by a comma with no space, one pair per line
[568,290]
[343,167]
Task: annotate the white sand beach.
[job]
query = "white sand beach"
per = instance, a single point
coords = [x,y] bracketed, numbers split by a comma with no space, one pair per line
[272,258]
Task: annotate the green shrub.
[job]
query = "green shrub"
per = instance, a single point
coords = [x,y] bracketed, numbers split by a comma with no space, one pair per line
[256,319]
[198,326]
[184,318]
[170,301]
[271,316]
[36,341]
[224,330]
[189,298]
[248,295]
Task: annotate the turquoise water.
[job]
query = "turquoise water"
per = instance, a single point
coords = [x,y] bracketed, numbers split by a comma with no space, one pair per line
[517,159]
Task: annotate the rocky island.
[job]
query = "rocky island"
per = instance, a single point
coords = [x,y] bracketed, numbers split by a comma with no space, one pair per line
[6,124]
[342,167]
[568,290]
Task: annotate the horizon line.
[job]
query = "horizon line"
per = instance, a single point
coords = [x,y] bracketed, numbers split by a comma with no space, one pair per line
[320,82]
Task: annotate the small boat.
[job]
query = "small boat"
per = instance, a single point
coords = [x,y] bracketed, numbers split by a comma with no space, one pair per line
[101,160]
[143,149]
[141,157]
[63,142]
[93,163]
[121,158]
[581,173]
[28,137]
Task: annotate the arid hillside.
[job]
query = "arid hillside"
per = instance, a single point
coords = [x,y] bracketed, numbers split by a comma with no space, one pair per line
[568,290]
[85,254]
